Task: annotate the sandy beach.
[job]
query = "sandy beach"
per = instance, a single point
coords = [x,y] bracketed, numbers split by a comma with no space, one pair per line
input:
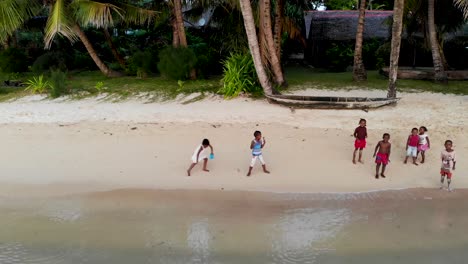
[95,145]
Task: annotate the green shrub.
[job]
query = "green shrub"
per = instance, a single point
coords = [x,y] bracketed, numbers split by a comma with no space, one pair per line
[382,55]
[141,63]
[58,83]
[340,56]
[37,84]
[13,60]
[82,60]
[239,76]
[50,61]
[176,63]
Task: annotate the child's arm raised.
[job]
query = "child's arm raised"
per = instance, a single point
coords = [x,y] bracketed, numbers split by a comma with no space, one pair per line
[376,148]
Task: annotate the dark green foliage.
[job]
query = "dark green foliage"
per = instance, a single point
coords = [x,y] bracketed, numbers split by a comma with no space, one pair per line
[382,55]
[369,49]
[176,63]
[51,61]
[239,76]
[58,83]
[340,55]
[142,63]
[82,61]
[13,60]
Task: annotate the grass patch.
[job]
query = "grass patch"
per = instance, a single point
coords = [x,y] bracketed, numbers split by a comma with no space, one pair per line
[88,84]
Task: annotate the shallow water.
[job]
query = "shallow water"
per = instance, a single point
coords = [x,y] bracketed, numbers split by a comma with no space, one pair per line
[145,226]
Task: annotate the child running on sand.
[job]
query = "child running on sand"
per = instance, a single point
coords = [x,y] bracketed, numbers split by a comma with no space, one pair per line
[360,134]
[412,146]
[199,154]
[382,158]
[256,146]
[424,143]
[448,164]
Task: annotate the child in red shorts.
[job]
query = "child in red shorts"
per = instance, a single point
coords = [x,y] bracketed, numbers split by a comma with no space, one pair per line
[360,135]
[382,158]
[448,164]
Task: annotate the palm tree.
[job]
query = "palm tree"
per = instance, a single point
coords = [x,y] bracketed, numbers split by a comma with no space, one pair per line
[250,29]
[439,70]
[13,14]
[397,28]
[359,71]
[463,6]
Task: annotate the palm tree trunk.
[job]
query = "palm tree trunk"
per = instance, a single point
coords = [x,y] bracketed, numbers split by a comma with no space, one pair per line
[395,47]
[278,30]
[439,73]
[113,48]
[359,71]
[92,52]
[249,24]
[180,23]
[440,42]
[268,31]
[175,34]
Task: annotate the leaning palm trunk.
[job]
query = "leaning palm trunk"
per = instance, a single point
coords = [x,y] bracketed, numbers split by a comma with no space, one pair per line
[113,48]
[359,71]
[92,52]
[267,31]
[395,47]
[439,73]
[278,30]
[249,24]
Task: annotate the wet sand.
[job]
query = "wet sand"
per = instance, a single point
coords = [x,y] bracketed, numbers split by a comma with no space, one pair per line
[148,226]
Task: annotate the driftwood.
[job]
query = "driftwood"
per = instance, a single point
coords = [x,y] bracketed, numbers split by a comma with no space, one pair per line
[330,102]
[426,74]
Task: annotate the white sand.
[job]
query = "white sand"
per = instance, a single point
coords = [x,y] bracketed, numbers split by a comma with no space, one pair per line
[87,145]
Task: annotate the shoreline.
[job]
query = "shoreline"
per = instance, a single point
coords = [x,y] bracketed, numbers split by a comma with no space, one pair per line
[62,147]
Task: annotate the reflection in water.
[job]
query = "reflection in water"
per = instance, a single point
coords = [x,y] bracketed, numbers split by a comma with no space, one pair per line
[198,240]
[301,232]
[228,227]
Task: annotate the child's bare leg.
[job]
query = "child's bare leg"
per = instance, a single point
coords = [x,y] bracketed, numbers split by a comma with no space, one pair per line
[250,171]
[190,168]
[442,178]
[377,168]
[354,156]
[406,160]
[423,156]
[205,163]
[264,169]
[383,170]
[448,184]
[414,161]
[360,156]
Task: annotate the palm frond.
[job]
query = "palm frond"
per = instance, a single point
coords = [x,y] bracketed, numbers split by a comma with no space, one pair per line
[138,16]
[95,14]
[13,14]
[59,23]
[463,6]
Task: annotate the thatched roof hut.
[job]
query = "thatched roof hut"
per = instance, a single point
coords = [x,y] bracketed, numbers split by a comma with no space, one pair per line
[341,25]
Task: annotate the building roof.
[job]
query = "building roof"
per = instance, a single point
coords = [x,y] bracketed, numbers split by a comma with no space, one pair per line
[341,25]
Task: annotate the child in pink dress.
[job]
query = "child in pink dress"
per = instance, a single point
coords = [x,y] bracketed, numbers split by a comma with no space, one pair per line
[424,143]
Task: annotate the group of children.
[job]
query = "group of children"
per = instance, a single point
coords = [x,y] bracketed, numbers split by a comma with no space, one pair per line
[418,142]
[256,146]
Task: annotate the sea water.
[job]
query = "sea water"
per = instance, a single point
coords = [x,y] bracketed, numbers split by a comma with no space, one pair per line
[150,226]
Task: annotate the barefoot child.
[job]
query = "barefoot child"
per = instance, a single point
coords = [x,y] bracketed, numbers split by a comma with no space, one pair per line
[448,164]
[256,146]
[412,146]
[383,156]
[360,134]
[424,143]
[199,154]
